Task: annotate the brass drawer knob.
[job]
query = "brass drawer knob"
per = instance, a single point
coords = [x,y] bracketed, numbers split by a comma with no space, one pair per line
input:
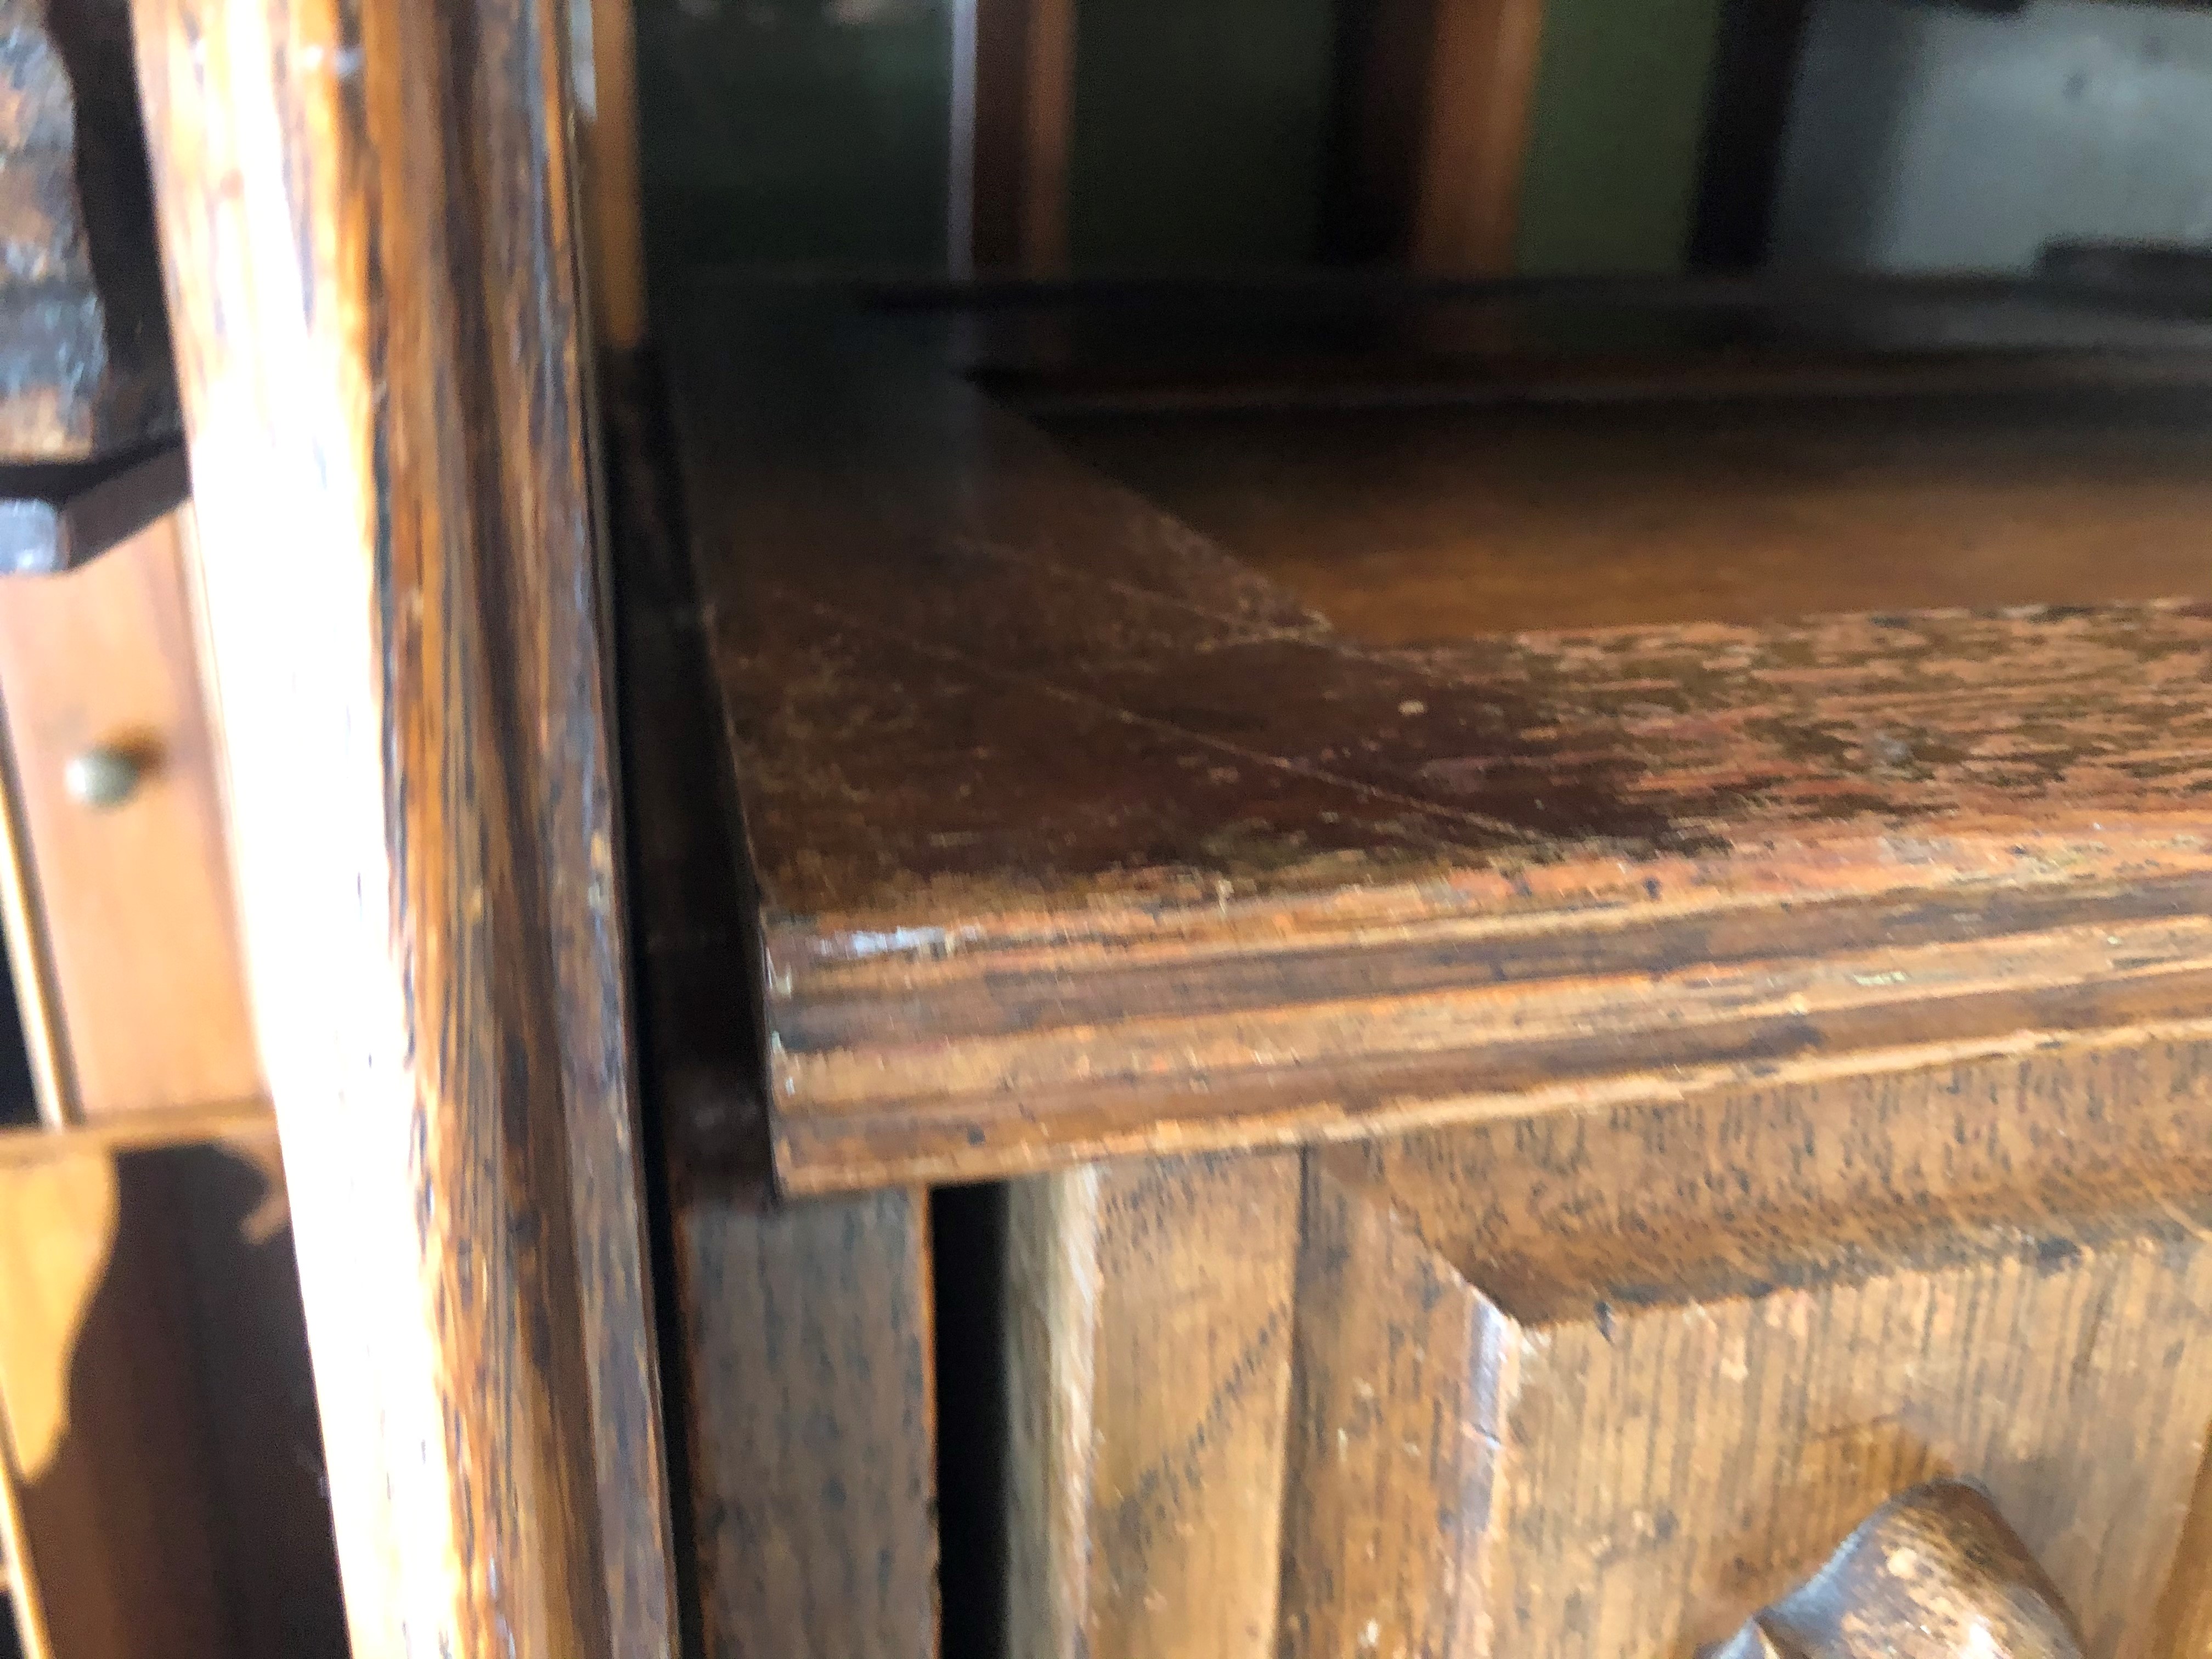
[103,776]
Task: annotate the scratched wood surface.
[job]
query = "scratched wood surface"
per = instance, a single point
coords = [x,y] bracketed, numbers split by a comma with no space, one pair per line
[369,229]
[803,1374]
[1148,1316]
[84,346]
[1609,1384]
[1073,835]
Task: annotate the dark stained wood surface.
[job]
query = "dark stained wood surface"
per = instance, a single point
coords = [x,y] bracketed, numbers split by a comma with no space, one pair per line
[85,369]
[803,1370]
[1410,527]
[1365,342]
[1073,835]
[368,227]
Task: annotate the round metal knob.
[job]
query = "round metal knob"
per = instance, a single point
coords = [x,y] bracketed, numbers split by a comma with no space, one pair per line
[102,777]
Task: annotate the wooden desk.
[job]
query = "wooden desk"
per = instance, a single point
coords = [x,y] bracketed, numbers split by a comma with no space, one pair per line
[1635,958]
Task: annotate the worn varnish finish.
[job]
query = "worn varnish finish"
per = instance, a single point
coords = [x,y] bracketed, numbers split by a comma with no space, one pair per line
[1412,526]
[1073,837]
[84,344]
[368,227]
[804,1377]
[131,935]
[1934,1573]
[1609,1384]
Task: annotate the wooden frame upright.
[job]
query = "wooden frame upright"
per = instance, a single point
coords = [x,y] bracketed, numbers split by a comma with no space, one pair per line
[370,234]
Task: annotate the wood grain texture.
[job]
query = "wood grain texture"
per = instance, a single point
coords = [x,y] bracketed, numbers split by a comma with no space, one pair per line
[1433,132]
[805,1367]
[1148,1317]
[1609,1385]
[368,227]
[159,1414]
[1019,134]
[807,1355]
[1713,1338]
[1415,528]
[1933,1572]
[136,945]
[1073,837]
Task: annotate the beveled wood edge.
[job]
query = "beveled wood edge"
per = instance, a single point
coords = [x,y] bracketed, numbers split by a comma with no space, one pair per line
[872,967]
[87,508]
[967,1066]
[816,1158]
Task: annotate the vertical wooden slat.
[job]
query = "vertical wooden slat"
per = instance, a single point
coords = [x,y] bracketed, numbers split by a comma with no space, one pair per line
[1149,1340]
[1013,118]
[808,1345]
[1433,132]
[129,893]
[369,235]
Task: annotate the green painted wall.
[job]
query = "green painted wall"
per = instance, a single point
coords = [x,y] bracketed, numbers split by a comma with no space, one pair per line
[1200,129]
[814,132]
[795,131]
[1612,155]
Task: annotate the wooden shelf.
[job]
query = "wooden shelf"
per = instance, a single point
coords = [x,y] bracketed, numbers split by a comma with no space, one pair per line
[55,516]
[1075,834]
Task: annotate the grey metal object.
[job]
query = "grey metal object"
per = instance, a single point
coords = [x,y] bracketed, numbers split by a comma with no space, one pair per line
[1931,138]
[103,777]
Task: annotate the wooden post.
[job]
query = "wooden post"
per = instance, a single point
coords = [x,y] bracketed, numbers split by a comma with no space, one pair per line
[1012,112]
[1434,123]
[371,249]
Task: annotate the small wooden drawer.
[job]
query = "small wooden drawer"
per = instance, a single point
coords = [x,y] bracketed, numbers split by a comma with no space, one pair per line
[120,908]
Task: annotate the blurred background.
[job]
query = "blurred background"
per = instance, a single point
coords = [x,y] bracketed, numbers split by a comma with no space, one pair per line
[1662,135]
